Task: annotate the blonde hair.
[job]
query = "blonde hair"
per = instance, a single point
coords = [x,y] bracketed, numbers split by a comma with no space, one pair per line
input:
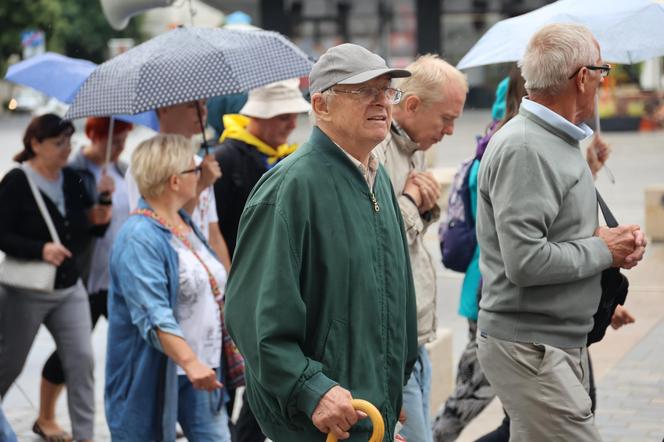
[554,53]
[430,77]
[157,159]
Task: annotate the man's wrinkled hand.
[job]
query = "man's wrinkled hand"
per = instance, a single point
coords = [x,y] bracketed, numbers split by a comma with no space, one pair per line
[621,242]
[335,413]
[429,190]
[413,190]
[640,242]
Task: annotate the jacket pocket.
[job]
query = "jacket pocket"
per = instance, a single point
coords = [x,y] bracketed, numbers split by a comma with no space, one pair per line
[334,354]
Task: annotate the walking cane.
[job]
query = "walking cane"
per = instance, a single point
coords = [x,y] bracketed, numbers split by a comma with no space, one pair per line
[374,415]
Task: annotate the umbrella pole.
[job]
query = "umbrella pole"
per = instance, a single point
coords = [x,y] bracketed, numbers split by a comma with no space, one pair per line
[597,132]
[200,121]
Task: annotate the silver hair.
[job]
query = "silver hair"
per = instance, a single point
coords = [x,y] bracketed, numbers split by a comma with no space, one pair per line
[554,53]
[430,77]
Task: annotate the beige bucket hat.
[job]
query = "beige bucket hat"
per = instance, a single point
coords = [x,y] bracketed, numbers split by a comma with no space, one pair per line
[282,97]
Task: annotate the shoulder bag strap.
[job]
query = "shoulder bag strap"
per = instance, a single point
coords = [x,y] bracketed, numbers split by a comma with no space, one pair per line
[606,212]
[42,206]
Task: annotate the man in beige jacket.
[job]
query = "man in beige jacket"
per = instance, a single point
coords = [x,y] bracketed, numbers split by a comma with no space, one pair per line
[433,98]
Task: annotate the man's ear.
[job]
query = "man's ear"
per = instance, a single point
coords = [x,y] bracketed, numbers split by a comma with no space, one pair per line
[412,103]
[320,106]
[582,79]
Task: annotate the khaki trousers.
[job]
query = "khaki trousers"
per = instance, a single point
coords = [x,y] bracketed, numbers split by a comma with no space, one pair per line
[544,389]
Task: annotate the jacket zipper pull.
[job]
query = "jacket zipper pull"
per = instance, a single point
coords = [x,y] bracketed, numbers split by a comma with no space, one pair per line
[376,207]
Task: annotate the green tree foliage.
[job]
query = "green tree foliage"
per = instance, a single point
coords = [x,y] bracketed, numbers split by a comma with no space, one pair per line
[85,32]
[76,28]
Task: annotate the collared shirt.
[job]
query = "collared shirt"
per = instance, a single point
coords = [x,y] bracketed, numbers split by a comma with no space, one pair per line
[369,173]
[578,132]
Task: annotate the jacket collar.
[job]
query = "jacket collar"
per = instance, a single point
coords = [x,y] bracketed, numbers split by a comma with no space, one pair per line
[403,140]
[319,140]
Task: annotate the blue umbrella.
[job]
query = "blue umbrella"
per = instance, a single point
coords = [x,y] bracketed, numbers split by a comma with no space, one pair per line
[188,64]
[628,31]
[61,77]
[52,74]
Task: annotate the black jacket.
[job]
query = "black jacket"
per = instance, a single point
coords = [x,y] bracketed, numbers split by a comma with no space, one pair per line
[23,231]
[242,165]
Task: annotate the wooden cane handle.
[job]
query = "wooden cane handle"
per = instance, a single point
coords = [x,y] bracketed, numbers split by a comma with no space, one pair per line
[374,415]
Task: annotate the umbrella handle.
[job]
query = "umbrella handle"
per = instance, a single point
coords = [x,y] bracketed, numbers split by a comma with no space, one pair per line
[374,415]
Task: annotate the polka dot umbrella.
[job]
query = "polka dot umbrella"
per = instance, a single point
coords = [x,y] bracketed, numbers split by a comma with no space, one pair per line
[188,64]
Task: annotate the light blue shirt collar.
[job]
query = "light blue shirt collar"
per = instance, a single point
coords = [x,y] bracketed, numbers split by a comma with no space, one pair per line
[579,133]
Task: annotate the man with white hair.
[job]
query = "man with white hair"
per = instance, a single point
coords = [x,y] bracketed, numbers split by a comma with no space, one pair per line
[542,252]
[320,300]
[433,98]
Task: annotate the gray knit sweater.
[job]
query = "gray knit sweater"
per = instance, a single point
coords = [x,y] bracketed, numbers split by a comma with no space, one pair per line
[537,212]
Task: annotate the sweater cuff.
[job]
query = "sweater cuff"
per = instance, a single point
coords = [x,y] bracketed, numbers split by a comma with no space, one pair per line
[607,257]
[312,391]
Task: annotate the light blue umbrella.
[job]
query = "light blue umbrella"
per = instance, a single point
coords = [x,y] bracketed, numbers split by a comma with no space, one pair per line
[628,31]
[61,77]
[188,64]
[52,74]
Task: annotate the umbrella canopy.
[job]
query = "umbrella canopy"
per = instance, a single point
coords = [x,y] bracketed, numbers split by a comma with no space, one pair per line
[188,64]
[628,31]
[52,74]
[61,77]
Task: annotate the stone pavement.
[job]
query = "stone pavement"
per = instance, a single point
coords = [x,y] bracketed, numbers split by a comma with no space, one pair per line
[631,395]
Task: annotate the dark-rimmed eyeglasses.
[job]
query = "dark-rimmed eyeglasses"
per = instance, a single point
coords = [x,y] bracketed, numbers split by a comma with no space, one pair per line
[370,93]
[603,70]
[197,170]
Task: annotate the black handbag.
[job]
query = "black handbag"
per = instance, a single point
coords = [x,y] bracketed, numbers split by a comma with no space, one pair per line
[614,287]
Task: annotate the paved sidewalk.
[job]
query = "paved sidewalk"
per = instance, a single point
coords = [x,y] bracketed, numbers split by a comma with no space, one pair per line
[631,395]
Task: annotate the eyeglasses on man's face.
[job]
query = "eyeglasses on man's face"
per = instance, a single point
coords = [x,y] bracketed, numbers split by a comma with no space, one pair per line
[197,170]
[370,93]
[603,70]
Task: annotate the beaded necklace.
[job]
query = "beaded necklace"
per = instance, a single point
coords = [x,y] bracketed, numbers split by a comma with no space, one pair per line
[216,291]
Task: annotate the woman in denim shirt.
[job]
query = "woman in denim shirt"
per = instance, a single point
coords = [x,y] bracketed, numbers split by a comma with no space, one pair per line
[165,331]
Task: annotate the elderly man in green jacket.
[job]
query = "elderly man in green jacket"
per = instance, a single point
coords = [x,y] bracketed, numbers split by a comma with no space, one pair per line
[320,300]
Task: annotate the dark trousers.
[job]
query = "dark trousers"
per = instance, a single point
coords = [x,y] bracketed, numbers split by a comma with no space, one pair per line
[52,370]
[246,429]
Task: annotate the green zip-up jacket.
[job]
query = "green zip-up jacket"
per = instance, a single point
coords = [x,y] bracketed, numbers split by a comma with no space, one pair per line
[321,293]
